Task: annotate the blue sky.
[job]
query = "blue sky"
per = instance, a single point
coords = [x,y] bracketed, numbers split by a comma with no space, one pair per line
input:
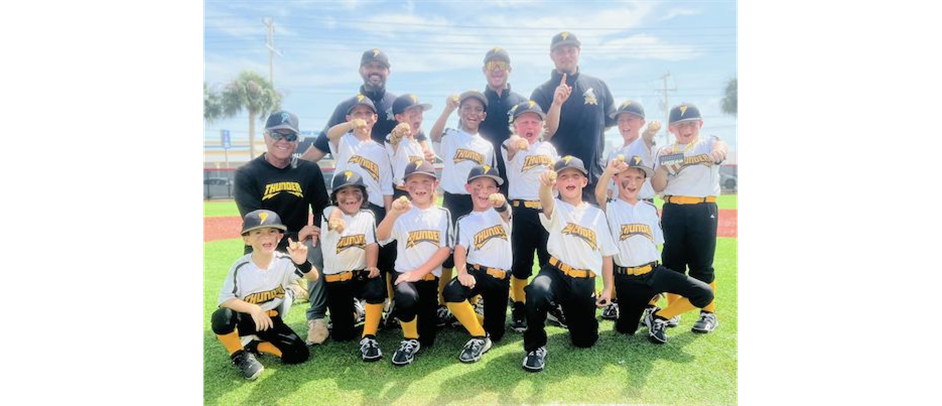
[436,49]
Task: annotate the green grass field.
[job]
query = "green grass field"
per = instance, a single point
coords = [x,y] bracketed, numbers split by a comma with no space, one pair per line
[223,208]
[689,369]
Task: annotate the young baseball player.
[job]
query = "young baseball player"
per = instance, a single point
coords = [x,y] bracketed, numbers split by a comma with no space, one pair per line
[526,156]
[405,144]
[252,298]
[688,176]
[580,247]
[636,229]
[630,119]
[483,258]
[350,257]
[423,234]
[462,149]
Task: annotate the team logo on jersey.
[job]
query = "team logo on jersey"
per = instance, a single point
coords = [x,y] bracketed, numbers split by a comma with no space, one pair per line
[351,241]
[487,234]
[364,163]
[586,234]
[589,96]
[273,189]
[702,159]
[266,296]
[533,161]
[629,230]
[419,236]
[468,155]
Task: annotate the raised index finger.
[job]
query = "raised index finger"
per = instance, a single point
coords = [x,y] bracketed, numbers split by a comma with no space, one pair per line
[563,82]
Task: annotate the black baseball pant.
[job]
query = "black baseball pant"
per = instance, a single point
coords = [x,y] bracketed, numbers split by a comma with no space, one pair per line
[635,291]
[293,350]
[528,235]
[418,299]
[340,296]
[690,238]
[494,292]
[577,297]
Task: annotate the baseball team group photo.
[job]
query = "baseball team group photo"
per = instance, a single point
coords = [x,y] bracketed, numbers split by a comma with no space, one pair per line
[424,203]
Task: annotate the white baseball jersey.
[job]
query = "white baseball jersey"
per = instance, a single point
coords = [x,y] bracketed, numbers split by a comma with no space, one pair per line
[346,251]
[420,234]
[639,148]
[699,176]
[264,287]
[369,160]
[636,230]
[461,151]
[524,171]
[486,237]
[578,236]
[408,151]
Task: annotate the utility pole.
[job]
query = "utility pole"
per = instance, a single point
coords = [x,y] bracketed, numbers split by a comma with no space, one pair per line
[271,49]
[667,107]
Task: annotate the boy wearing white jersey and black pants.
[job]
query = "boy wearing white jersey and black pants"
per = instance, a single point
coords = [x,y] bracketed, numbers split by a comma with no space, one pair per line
[580,247]
[526,156]
[423,234]
[350,257]
[483,257]
[461,150]
[636,229]
[688,176]
[630,118]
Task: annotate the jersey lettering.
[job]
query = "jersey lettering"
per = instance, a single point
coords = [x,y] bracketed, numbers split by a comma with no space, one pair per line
[533,161]
[488,234]
[628,230]
[273,189]
[468,155]
[429,236]
[587,235]
[364,163]
[351,241]
[262,297]
[702,159]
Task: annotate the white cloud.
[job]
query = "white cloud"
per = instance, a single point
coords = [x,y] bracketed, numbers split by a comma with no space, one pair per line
[644,46]
[680,12]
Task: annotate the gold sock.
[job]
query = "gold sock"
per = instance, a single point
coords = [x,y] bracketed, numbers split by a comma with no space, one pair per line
[465,314]
[512,295]
[712,306]
[446,277]
[480,318]
[679,306]
[389,286]
[231,341]
[269,348]
[517,286]
[373,313]
[672,297]
[410,329]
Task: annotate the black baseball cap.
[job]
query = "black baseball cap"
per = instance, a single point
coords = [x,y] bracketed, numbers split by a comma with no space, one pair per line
[629,106]
[565,38]
[528,106]
[407,101]
[343,179]
[374,54]
[473,94]
[568,162]
[262,219]
[361,100]
[420,166]
[498,54]
[485,171]
[635,162]
[685,112]
[282,120]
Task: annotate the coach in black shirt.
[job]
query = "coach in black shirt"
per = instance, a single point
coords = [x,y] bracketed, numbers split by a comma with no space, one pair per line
[496,126]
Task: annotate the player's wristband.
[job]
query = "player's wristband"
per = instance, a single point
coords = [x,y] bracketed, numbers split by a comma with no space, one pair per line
[305,267]
[502,208]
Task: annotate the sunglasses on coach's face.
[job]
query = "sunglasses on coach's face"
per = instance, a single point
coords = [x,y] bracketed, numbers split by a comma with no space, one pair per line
[277,136]
[496,65]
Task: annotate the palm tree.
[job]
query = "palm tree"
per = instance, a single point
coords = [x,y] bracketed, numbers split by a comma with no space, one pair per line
[212,106]
[254,93]
[729,102]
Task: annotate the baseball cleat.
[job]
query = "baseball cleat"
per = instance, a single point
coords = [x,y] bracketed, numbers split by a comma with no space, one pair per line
[674,321]
[657,333]
[406,352]
[646,316]
[474,349]
[247,363]
[443,316]
[518,317]
[535,360]
[359,309]
[369,348]
[610,312]
[556,315]
[706,324]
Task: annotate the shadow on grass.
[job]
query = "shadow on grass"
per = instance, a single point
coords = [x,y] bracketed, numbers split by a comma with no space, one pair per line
[641,355]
